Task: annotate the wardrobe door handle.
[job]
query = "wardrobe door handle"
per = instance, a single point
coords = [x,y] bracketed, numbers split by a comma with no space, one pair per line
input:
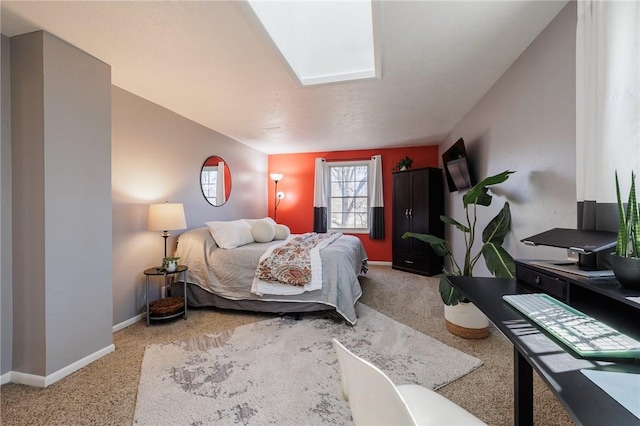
[411,213]
[406,213]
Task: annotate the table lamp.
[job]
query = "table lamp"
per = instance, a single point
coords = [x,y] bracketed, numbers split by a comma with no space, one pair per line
[164,217]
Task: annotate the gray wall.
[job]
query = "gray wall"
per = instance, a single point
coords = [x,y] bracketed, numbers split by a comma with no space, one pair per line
[6,292]
[27,134]
[526,123]
[61,141]
[156,157]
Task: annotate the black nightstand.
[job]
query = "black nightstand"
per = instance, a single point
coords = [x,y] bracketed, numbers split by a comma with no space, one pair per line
[169,307]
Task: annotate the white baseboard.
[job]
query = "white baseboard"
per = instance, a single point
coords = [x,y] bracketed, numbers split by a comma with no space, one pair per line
[28,379]
[378,262]
[127,323]
[43,382]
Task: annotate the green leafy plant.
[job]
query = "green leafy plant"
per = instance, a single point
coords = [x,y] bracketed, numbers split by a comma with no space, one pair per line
[405,162]
[498,261]
[628,241]
[169,259]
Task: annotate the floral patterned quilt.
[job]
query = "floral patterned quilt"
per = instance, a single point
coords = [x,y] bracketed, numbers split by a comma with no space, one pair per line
[296,262]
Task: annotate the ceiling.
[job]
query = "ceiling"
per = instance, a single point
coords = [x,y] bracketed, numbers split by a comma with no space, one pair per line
[212,62]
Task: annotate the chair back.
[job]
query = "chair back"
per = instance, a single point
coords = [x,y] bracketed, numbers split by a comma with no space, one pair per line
[372,396]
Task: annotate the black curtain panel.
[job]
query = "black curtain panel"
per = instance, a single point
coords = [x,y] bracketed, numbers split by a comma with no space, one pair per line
[376,225]
[319,219]
[376,215]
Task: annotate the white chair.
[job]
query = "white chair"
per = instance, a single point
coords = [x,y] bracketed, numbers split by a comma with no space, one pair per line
[375,400]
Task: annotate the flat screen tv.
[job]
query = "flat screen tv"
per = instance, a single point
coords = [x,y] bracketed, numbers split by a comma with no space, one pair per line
[456,167]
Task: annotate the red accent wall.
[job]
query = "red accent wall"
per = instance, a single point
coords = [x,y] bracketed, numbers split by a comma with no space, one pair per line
[296,209]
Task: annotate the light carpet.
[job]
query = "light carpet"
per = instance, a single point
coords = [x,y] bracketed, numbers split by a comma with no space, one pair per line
[283,371]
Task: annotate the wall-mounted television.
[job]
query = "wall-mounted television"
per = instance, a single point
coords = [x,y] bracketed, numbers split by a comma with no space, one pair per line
[456,167]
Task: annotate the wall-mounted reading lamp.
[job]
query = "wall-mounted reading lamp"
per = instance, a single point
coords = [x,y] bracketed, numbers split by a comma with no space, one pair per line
[278,196]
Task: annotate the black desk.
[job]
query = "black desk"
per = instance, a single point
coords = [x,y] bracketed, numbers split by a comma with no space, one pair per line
[583,400]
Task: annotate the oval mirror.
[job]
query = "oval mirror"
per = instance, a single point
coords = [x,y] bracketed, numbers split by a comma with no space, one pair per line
[215,181]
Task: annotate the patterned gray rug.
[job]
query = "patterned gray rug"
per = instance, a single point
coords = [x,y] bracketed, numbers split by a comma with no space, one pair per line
[283,371]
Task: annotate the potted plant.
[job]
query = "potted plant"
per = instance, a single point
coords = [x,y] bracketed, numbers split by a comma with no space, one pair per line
[626,259]
[170,263]
[460,314]
[403,164]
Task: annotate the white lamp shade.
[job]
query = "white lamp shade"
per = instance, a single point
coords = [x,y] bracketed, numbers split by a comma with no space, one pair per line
[276,176]
[166,216]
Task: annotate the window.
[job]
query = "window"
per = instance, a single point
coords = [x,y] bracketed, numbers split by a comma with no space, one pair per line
[209,183]
[348,196]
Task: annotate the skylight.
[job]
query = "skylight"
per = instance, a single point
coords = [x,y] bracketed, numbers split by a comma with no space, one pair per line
[323,41]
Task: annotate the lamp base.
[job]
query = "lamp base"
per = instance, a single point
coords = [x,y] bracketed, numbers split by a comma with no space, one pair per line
[165,235]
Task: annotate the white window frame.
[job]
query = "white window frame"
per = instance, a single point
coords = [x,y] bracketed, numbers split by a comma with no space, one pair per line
[328,166]
[211,170]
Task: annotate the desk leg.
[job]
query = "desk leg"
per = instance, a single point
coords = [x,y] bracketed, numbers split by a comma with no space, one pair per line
[522,390]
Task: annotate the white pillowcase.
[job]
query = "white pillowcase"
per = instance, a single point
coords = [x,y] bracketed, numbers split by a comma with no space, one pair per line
[282,232]
[230,234]
[252,221]
[263,231]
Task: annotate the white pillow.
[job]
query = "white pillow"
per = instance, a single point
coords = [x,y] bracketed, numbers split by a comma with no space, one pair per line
[282,232]
[230,234]
[252,221]
[263,231]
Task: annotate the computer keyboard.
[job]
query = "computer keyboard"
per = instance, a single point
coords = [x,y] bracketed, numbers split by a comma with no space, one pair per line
[583,334]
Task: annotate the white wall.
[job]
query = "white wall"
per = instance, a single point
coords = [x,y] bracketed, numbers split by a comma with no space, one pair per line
[526,123]
[157,156]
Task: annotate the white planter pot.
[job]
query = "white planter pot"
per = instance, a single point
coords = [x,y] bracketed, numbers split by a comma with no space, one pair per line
[466,320]
[172,266]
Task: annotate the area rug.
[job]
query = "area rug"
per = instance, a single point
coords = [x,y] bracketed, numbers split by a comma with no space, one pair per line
[283,371]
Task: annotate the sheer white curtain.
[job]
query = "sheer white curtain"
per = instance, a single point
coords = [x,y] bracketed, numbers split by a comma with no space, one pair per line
[221,195]
[607,97]
[607,111]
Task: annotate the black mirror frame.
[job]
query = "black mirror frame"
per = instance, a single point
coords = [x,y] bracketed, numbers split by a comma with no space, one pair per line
[228,183]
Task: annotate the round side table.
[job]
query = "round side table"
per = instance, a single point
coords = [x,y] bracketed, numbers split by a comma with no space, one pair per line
[159,271]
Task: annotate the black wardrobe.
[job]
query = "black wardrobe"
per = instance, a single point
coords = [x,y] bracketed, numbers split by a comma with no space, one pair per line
[418,202]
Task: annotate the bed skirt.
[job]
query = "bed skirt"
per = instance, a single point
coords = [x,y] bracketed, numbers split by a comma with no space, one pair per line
[199,298]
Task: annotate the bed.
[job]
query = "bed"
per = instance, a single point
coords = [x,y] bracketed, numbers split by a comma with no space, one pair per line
[223,278]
